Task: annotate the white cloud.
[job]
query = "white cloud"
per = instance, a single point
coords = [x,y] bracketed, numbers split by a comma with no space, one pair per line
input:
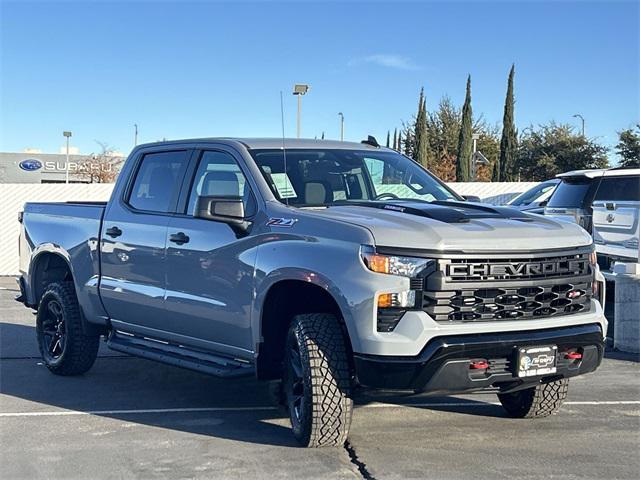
[399,62]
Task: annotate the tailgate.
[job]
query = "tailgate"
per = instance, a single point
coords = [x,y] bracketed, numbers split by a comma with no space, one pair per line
[617,227]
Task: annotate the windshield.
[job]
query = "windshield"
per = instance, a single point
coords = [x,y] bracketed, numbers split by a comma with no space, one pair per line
[570,193]
[532,195]
[318,177]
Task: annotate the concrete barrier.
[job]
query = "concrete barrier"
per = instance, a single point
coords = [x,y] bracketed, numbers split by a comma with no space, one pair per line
[626,333]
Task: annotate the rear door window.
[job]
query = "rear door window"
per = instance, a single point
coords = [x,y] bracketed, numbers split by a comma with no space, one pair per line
[158,180]
[619,189]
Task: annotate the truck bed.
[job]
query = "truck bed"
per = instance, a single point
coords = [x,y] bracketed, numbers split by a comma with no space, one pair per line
[70,230]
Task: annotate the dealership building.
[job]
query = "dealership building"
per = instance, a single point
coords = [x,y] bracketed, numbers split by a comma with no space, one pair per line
[40,167]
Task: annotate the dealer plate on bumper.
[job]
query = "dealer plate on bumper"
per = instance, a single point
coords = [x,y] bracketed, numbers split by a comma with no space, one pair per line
[535,361]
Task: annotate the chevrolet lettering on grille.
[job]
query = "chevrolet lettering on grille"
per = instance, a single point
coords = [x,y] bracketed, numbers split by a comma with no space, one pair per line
[521,269]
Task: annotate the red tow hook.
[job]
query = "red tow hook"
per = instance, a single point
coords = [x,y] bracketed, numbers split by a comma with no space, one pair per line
[481,365]
[573,356]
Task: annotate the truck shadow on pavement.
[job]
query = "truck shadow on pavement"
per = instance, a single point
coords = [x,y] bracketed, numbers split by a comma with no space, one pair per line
[138,391]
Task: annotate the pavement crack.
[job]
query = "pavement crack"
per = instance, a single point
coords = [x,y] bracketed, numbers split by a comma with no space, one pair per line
[353,456]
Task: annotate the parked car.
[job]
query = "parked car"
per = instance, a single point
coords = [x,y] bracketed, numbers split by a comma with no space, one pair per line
[324,266]
[535,199]
[606,203]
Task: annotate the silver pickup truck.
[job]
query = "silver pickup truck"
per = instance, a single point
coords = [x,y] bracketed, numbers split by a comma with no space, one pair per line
[322,266]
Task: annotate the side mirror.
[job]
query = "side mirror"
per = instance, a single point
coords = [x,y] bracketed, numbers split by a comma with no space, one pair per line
[222,209]
[472,198]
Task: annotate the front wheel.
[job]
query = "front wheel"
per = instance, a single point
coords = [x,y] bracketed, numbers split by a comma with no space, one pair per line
[317,381]
[536,402]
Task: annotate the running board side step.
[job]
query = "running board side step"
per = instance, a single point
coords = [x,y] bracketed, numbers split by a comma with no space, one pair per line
[179,356]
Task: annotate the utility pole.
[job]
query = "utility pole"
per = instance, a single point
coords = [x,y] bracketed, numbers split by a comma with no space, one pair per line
[135,136]
[577,115]
[341,126]
[300,89]
[67,135]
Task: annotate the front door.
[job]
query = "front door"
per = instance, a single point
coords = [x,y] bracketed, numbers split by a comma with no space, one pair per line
[210,265]
[133,243]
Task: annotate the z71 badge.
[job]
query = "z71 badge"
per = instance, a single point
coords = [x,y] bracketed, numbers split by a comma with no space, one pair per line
[281,222]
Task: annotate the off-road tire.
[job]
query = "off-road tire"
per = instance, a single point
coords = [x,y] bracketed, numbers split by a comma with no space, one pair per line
[537,402]
[324,416]
[80,350]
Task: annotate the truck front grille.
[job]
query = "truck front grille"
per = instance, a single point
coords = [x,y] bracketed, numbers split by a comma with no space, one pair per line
[478,289]
[482,304]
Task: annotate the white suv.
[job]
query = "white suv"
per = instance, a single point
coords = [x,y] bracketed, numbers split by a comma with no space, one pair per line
[607,204]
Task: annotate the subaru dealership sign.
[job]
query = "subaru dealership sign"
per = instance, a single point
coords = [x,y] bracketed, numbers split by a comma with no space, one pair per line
[30,165]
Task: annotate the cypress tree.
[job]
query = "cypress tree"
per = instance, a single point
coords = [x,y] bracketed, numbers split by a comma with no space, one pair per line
[395,139]
[388,137]
[421,140]
[399,141]
[509,141]
[465,142]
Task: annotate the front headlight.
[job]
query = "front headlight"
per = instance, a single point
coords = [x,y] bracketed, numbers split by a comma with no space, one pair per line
[392,264]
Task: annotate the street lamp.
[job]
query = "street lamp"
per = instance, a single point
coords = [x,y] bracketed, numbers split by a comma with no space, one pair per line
[67,135]
[477,158]
[300,89]
[341,126]
[577,115]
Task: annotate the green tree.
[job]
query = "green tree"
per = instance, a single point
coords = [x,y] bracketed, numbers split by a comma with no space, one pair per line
[388,138]
[443,126]
[465,142]
[555,148]
[399,141]
[509,142]
[395,139]
[421,141]
[628,147]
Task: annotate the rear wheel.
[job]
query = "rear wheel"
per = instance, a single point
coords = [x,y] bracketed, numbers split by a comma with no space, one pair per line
[64,347]
[317,381]
[540,401]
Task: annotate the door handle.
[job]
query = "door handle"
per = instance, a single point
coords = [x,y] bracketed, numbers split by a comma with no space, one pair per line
[113,232]
[179,238]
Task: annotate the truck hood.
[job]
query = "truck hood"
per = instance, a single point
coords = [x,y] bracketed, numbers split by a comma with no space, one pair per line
[459,226]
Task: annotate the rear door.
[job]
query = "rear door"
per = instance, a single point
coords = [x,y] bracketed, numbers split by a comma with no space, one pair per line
[134,238]
[210,265]
[616,216]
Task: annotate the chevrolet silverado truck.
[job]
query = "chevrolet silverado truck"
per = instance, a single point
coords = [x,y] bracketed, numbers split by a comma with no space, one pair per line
[321,266]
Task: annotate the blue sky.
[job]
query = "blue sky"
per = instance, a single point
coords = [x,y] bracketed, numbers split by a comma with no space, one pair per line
[181,69]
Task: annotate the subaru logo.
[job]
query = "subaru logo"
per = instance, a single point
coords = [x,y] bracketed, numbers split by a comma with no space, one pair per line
[30,165]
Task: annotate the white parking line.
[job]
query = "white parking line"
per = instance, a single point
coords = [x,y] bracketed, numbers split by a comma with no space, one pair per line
[63,413]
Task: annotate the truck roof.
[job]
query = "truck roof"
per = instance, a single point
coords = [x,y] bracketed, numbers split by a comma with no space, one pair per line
[601,172]
[274,143]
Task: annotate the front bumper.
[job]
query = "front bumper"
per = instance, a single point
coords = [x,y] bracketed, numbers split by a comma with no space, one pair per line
[443,365]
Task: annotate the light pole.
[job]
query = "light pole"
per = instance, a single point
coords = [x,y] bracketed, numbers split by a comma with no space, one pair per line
[577,115]
[300,89]
[135,135]
[477,158]
[67,135]
[341,126]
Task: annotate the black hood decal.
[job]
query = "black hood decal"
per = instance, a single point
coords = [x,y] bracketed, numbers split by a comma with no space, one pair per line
[443,211]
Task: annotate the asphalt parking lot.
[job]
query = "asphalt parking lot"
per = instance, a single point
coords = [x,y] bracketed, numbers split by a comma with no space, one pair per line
[129,417]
